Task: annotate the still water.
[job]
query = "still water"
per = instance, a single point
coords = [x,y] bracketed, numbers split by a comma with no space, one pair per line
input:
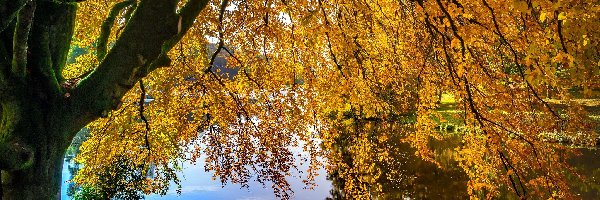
[198,184]
[405,177]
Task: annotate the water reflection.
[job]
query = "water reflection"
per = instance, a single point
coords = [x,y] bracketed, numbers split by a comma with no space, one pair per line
[70,167]
[198,184]
[373,163]
[588,165]
[371,166]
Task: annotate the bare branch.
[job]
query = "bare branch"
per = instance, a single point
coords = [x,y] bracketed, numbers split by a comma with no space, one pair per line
[144,119]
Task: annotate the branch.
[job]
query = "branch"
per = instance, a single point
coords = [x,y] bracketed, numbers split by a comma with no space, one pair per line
[142,47]
[516,61]
[141,110]
[453,26]
[142,103]
[186,17]
[48,46]
[9,8]
[508,167]
[221,44]
[214,56]
[107,25]
[24,21]
[335,60]
[243,68]
[560,34]
[333,56]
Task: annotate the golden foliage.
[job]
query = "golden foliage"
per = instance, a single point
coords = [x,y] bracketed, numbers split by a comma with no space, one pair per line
[307,68]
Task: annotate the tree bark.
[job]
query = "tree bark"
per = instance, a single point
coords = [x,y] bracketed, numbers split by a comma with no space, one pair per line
[40,181]
[32,160]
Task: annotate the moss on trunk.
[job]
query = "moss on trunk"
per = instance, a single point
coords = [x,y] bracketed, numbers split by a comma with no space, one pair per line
[40,181]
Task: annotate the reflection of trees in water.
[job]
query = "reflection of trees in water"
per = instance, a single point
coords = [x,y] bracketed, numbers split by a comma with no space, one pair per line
[368,160]
[123,179]
[73,166]
[587,164]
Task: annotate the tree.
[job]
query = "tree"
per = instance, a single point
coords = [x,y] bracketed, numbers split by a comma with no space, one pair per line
[306,68]
[41,110]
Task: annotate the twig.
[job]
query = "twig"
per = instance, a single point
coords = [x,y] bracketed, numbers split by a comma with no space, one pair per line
[141,109]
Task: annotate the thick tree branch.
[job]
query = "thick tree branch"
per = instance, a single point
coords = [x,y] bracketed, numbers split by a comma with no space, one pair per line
[186,18]
[61,35]
[24,21]
[48,45]
[14,154]
[107,25]
[151,32]
[8,11]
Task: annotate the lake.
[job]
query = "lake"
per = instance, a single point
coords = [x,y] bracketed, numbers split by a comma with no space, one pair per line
[406,176]
[198,184]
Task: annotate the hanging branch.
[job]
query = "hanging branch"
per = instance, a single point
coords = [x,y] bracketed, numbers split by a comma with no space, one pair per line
[560,34]
[516,60]
[329,46]
[141,110]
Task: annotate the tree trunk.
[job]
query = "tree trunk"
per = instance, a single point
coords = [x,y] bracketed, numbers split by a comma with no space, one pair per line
[33,133]
[40,181]
[36,158]
[32,164]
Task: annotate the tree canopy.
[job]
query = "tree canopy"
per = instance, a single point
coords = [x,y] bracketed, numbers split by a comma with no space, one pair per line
[345,81]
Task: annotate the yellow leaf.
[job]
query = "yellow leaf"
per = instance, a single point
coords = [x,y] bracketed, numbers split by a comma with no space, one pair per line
[562,16]
[521,6]
[455,43]
[543,16]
